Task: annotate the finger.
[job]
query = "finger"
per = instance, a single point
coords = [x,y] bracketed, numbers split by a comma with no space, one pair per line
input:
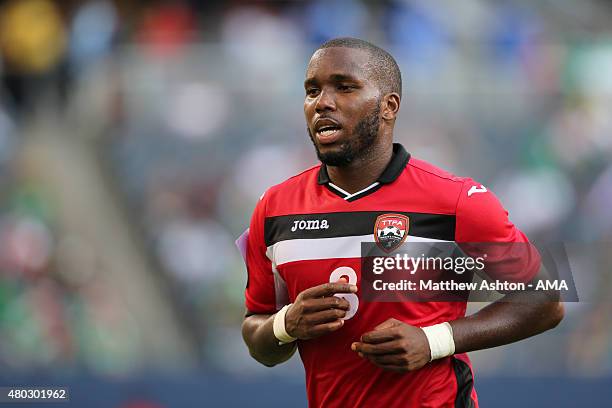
[387,323]
[324,316]
[325,328]
[390,347]
[380,336]
[328,289]
[326,303]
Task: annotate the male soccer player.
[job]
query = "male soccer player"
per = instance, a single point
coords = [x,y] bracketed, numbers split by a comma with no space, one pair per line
[303,253]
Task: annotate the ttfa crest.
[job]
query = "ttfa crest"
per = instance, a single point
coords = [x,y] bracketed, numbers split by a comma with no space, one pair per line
[390,231]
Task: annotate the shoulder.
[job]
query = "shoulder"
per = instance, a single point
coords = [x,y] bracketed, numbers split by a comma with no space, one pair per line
[479,213]
[482,217]
[438,181]
[456,187]
[429,170]
[431,187]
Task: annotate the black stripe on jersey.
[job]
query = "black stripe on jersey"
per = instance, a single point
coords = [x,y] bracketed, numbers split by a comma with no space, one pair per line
[344,224]
[465,383]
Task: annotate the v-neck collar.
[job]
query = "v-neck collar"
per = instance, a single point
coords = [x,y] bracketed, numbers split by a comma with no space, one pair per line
[396,165]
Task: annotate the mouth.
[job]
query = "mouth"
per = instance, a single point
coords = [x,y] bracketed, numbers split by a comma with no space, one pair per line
[327,131]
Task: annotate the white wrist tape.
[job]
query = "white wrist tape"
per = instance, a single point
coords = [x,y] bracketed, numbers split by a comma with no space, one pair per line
[441,342]
[279,327]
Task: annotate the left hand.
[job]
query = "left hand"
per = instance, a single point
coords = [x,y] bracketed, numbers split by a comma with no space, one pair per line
[394,346]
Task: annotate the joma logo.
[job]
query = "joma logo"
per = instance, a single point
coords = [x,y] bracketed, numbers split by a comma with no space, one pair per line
[309,225]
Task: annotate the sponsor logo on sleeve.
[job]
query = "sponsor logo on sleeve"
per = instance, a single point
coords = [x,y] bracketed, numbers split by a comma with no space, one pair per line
[475,189]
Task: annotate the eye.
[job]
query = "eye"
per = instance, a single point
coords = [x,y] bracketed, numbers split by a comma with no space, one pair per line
[346,87]
[312,92]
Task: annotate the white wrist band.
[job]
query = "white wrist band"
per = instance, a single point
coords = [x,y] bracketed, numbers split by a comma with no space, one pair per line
[279,327]
[441,342]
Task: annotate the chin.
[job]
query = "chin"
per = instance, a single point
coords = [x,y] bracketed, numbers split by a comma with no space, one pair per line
[335,156]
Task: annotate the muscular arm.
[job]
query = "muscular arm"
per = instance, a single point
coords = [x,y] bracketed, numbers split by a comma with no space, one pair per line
[480,218]
[516,316]
[315,312]
[397,346]
[513,318]
[263,346]
[483,226]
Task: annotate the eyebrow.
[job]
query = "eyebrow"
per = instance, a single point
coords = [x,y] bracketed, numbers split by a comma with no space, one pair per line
[310,81]
[333,78]
[342,78]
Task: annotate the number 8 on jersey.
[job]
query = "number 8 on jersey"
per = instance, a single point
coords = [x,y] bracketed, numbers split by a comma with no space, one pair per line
[350,297]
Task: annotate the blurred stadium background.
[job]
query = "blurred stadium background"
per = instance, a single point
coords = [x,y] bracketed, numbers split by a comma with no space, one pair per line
[136,137]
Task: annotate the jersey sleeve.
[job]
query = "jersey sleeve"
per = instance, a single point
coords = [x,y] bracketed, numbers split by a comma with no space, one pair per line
[259,293]
[483,227]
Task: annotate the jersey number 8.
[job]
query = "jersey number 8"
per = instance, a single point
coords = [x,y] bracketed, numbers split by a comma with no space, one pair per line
[350,297]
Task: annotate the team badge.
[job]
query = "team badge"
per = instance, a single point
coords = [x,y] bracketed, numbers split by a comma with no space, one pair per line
[390,231]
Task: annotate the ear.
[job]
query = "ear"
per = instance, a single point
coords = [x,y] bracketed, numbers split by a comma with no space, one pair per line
[390,106]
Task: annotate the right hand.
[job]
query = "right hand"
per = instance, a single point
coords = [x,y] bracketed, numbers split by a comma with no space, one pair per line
[316,311]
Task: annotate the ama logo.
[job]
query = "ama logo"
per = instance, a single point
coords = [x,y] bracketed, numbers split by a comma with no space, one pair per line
[390,231]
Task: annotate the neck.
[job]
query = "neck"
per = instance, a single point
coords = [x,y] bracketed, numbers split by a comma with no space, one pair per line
[363,171]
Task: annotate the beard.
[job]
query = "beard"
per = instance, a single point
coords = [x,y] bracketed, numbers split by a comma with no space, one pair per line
[357,147]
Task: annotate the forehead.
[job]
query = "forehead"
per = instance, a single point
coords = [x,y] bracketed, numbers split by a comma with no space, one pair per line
[339,60]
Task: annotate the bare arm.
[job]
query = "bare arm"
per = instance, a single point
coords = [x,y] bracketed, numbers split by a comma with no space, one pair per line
[314,313]
[480,218]
[397,346]
[506,321]
[258,335]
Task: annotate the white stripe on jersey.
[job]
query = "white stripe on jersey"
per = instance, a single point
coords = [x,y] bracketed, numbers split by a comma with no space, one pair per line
[348,195]
[325,248]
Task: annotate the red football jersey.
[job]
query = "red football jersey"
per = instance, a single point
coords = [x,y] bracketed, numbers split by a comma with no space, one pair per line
[305,228]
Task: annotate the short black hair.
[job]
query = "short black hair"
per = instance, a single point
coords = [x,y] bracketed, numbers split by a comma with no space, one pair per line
[384,68]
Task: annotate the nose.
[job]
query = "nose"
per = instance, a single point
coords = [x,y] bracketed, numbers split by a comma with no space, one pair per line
[325,102]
